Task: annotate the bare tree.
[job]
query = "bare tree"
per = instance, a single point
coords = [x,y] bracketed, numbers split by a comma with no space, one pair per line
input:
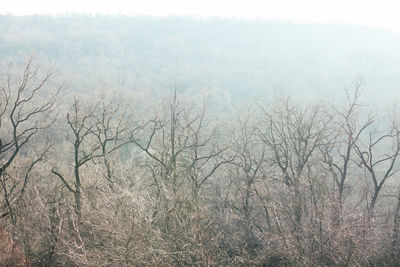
[114,128]
[184,150]
[338,154]
[98,130]
[184,146]
[26,104]
[379,166]
[248,172]
[294,135]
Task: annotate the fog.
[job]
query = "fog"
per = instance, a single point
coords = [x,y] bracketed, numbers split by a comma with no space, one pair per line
[198,140]
[241,58]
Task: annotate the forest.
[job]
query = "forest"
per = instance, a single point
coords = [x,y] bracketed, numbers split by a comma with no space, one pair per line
[236,144]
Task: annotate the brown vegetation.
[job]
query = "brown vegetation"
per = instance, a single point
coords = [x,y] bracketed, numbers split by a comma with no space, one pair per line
[10,253]
[278,184]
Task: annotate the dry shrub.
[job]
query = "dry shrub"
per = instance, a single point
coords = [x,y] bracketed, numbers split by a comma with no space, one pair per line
[10,253]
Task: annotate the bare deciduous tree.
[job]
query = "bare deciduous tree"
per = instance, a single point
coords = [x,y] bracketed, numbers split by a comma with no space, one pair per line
[184,151]
[98,130]
[26,104]
[293,135]
[338,154]
[380,166]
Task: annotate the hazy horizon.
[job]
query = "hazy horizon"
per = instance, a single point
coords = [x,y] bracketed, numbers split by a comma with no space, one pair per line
[242,59]
[382,14]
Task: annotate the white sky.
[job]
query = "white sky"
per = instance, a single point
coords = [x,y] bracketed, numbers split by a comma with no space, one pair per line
[379,13]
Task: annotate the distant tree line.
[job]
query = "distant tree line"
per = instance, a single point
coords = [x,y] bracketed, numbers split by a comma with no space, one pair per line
[243,59]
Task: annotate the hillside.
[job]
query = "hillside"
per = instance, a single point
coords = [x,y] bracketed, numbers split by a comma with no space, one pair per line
[240,58]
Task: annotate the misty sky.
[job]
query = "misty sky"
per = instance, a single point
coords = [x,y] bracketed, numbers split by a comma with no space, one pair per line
[383,13]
